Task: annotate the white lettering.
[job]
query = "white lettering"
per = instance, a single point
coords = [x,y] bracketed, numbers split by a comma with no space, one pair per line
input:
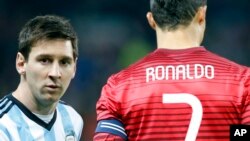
[198,68]
[159,73]
[239,132]
[209,69]
[150,73]
[168,68]
[243,131]
[180,72]
[188,73]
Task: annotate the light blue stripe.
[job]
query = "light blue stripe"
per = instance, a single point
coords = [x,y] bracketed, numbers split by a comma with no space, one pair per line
[6,106]
[66,120]
[2,102]
[22,127]
[49,135]
[6,132]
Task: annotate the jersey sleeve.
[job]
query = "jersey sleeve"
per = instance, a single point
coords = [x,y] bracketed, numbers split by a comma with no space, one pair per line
[109,125]
[107,106]
[79,126]
[246,107]
[113,128]
[107,137]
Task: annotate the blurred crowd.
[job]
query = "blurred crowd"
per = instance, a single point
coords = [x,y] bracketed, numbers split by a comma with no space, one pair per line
[113,34]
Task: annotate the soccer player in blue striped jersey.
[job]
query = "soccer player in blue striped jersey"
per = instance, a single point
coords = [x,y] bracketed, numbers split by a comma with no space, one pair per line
[46,62]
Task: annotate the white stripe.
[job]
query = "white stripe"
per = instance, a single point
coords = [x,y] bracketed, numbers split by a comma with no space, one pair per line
[104,126]
[6,121]
[111,124]
[75,118]
[58,125]
[36,131]
[3,137]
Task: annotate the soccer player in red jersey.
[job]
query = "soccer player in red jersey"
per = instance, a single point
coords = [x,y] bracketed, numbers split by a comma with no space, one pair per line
[180,91]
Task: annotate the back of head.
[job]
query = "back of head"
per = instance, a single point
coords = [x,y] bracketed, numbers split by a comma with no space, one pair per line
[48,27]
[170,14]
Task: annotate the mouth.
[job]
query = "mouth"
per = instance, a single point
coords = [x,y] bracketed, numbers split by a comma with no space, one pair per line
[53,87]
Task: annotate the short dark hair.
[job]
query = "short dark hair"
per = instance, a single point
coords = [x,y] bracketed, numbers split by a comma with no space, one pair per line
[172,13]
[47,27]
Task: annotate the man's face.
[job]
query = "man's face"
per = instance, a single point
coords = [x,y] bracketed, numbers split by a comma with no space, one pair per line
[49,70]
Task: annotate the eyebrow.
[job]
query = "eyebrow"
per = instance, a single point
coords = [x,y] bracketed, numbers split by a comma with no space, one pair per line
[51,56]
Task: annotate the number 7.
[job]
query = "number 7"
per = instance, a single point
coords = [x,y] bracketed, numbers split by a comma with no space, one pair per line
[196,105]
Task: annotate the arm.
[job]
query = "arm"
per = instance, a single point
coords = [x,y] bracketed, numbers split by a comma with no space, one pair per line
[245,119]
[107,137]
[79,126]
[110,126]
[110,130]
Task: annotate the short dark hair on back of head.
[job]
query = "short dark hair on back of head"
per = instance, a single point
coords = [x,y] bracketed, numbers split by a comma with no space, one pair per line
[169,14]
[46,27]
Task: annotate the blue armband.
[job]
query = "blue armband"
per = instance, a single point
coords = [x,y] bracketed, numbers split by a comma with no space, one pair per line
[111,126]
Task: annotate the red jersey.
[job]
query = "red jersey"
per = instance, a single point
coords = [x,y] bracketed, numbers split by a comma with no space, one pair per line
[177,95]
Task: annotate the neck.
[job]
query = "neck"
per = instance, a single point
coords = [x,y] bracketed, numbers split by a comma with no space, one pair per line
[25,96]
[182,38]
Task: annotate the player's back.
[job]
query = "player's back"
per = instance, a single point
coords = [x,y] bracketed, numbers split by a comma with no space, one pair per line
[178,94]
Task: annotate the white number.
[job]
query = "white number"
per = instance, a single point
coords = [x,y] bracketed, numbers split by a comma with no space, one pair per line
[196,117]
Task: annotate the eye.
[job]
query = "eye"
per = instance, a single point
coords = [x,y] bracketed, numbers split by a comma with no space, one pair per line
[45,61]
[65,62]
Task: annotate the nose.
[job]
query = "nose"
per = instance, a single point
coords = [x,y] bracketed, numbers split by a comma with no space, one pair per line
[55,71]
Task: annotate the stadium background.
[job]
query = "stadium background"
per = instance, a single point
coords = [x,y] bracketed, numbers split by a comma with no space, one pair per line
[112,34]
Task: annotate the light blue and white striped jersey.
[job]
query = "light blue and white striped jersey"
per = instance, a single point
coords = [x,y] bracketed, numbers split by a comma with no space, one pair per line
[17,123]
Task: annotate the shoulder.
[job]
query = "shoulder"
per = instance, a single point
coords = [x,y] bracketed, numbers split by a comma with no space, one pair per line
[127,74]
[248,78]
[223,60]
[66,110]
[230,65]
[70,116]
[6,123]
[5,105]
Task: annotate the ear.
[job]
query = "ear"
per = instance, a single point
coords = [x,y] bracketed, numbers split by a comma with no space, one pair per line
[151,20]
[20,63]
[74,68]
[201,15]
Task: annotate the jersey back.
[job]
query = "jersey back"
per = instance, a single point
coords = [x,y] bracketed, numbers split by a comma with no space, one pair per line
[178,95]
